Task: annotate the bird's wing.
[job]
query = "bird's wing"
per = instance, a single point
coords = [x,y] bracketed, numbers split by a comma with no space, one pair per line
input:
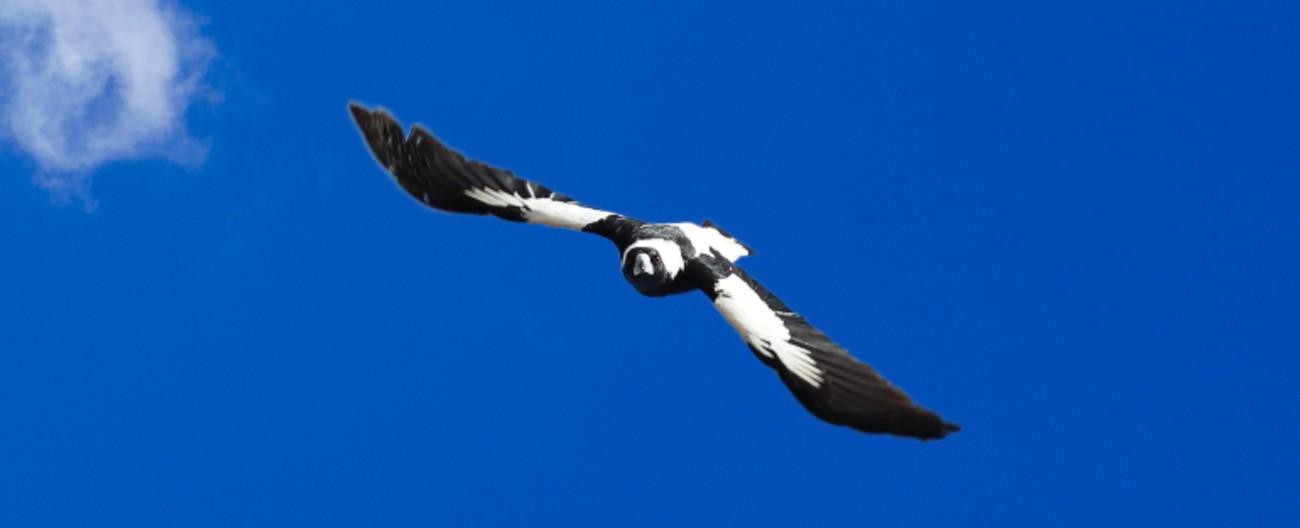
[824,377]
[443,179]
[708,237]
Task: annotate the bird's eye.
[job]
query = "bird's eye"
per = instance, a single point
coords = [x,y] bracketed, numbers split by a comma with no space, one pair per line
[655,257]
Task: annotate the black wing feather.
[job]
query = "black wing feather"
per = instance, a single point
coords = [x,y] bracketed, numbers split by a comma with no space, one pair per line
[851,393]
[441,178]
[435,174]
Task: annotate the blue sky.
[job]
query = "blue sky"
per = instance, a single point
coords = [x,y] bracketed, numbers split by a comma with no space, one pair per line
[1073,230]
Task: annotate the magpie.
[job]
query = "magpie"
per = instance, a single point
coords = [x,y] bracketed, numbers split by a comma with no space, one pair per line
[660,260]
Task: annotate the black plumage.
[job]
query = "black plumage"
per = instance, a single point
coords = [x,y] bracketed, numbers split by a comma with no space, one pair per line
[853,394]
[663,259]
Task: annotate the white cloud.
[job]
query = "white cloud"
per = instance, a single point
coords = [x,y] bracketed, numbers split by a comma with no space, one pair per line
[86,82]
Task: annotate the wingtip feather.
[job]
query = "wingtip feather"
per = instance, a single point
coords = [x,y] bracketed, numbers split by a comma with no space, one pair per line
[359,112]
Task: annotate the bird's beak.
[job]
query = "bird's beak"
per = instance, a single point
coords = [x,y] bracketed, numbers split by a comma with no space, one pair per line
[643,265]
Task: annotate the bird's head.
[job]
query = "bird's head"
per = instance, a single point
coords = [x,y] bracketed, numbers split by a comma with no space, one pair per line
[644,268]
[651,266]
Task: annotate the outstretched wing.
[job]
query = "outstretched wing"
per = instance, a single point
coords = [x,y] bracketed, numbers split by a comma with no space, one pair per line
[829,382]
[443,179]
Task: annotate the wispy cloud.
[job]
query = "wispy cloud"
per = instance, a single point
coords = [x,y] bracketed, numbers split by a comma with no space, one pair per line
[87,82]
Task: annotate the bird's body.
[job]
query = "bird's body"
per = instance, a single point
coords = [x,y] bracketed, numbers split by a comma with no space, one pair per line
[659,260]
[654,258]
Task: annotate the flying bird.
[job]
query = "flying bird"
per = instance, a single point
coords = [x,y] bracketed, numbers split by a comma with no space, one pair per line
[659,260]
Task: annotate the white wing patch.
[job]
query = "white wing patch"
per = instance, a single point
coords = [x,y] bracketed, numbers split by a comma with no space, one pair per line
[706,239]
[495,198]
[568,215]
[763,329]
[544,211]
